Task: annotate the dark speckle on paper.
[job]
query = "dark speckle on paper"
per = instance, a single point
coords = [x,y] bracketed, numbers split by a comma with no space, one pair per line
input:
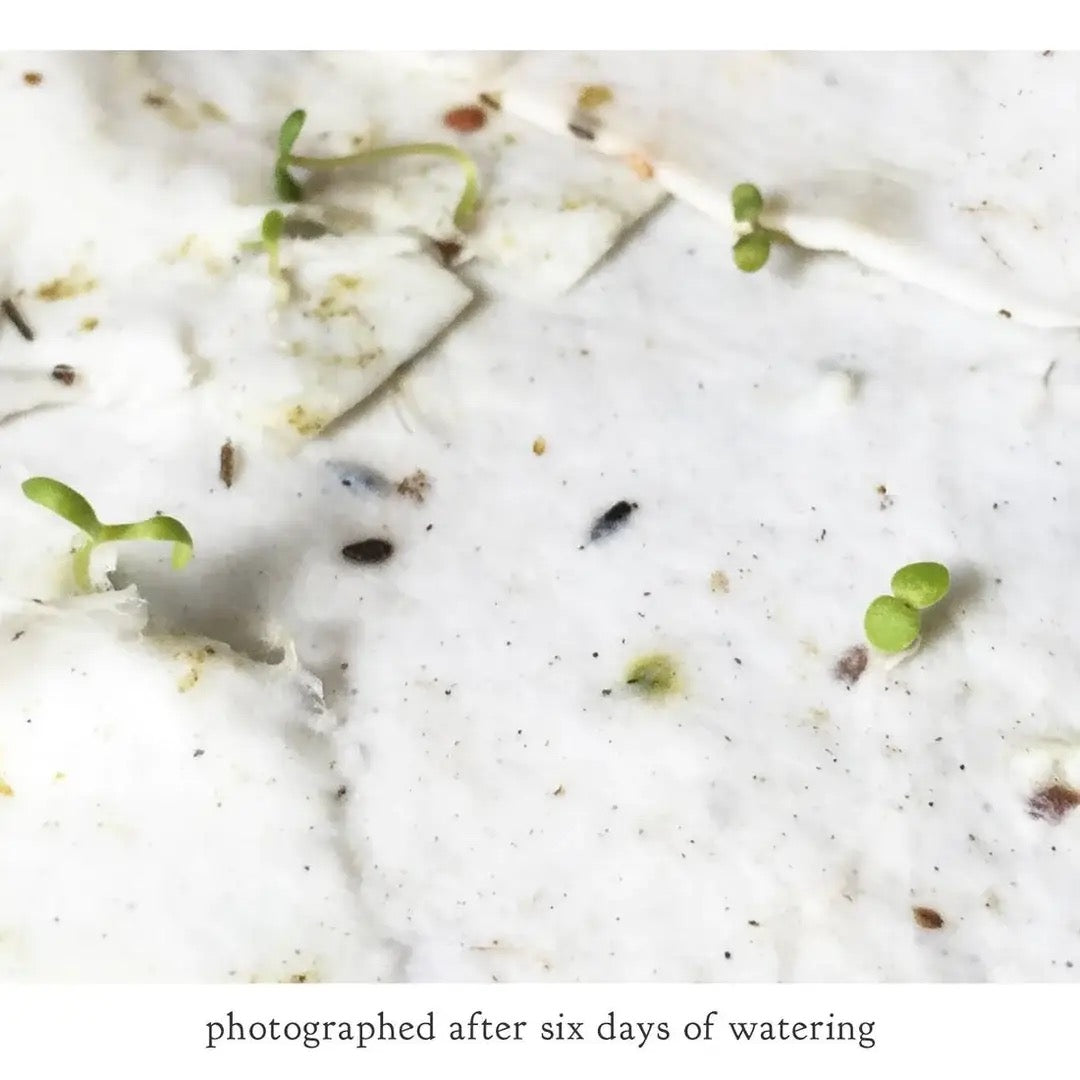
[357,477]
[611,519]
[851,664]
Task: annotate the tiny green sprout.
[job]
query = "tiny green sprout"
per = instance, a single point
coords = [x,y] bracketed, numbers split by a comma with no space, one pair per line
[71,506]
[746,204]
[751,252]
[892,623]
[921,584]
[290,190]
[273,225]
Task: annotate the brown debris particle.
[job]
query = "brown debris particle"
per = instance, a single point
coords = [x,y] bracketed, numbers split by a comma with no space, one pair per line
[227,463]
[415,486]
[927,918]
[154,101]
[32,78]
[63,373]
[1005,312]
[448,250]
[594,95]
[1053,802]
[492,101]
[465,118]
[852,664]
[718,581]
[9,308]
[580,131]
[560,790]
[640,166]
[539,445]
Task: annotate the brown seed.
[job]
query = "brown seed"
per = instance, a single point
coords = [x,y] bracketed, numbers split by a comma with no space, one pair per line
[465,118]
[927,918]
[32,78]
[64,373]
[492,101]
[852,664]
[448,250]
[227,463]
[1053,802]
[640,166]
[16,317]
[368,552]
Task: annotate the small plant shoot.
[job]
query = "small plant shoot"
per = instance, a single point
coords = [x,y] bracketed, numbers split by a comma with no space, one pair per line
[289,189]
[893,623]
[921,584]
[752,249]
[71,506]
[746,204]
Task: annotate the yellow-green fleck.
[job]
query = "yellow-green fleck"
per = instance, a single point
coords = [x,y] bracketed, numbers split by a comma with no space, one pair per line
[195,661]
[593,96]
[209,111]
[304,422]
[89,323]
[5,788]
[654,675]
[67,288]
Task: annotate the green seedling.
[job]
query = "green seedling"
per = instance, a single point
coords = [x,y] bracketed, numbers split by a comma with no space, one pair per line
[751,250]
[72,507]
[289,189]
[893,623]
[273,225]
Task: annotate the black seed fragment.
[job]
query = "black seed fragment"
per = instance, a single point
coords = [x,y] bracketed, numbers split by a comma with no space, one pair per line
[612,519]
[581,132]
[368,552]
[17,320]
[64,373]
